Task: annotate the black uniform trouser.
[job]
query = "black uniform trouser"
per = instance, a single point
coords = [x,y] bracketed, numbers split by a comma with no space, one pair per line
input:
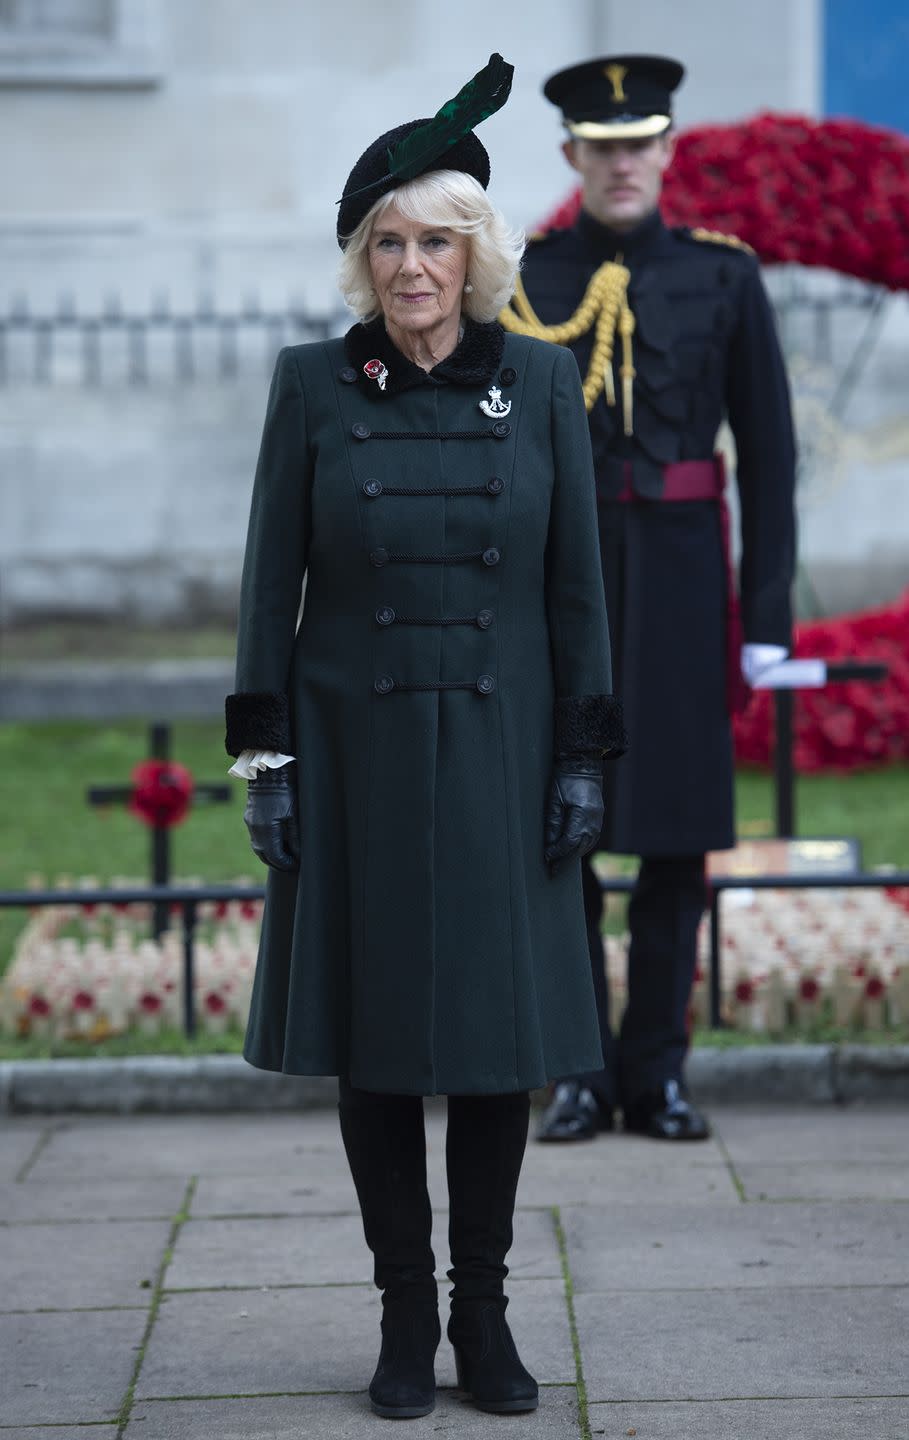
[664,912]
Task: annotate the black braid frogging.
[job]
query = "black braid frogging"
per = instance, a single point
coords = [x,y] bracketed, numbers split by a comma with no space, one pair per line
[431,434]
[445,620]
[435,490]
[437,559]
[439,685]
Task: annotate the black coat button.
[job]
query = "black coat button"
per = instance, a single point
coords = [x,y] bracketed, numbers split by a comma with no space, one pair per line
[508,376]
[385,615]
[496,485]
[372,488]
[360,431]
[384,685]
[501,429]
[484,619]
[486,684]
[379,557]
[347,375]
[491,556]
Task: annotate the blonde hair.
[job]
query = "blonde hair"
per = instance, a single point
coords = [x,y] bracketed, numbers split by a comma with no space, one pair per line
[455,201]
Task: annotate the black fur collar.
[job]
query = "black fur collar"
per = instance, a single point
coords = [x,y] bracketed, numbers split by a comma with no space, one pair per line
[474,362]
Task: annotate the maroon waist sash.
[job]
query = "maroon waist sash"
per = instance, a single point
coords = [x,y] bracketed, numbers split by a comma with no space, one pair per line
[706,480]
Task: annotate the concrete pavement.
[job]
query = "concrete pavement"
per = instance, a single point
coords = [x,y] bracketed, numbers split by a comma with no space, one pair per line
[184,1277]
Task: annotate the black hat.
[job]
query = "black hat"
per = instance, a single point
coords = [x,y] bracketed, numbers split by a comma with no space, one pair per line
[444,142]
[617,97]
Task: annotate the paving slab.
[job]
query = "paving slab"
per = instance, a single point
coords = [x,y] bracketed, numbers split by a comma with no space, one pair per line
[724,1344]
[57,1432]
[312,1189]
[624,1168]
[825,1180]
[152,1146]
[279,1341]
[86,1200]
[859,1134]
[62,1267]
[657,1247]
[342,1417]
[755,1420]
[325,1250]
[67,1368]
[17,1145]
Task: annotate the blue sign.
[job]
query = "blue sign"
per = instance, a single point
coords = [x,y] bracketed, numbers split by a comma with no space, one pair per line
[866,61]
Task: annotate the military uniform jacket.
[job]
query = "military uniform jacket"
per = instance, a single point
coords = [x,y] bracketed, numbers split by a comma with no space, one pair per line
[453,636]
[704,349]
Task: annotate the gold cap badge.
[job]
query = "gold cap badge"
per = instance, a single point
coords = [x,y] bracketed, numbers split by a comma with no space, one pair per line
[615,74]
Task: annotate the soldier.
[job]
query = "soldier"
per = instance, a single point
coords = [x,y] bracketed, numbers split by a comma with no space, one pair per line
[673,333]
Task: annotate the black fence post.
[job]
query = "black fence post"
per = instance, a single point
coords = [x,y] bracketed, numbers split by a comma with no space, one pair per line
[159,749]
[190,917]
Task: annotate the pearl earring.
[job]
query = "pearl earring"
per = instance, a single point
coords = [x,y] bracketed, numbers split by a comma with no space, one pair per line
[468,288]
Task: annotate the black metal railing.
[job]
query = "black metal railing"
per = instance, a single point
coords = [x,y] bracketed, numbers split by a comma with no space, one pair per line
[137,344]
[113,345]
[190,897]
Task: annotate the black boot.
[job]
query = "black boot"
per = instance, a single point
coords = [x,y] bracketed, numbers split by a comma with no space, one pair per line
[486,1139]
[386,1149]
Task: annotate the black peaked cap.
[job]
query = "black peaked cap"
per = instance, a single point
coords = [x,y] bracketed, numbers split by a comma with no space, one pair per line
[616,95]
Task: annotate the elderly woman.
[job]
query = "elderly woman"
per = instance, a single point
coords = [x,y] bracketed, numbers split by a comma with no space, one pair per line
[424,749]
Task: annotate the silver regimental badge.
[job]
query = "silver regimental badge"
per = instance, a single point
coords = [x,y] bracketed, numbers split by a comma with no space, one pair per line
[495,407]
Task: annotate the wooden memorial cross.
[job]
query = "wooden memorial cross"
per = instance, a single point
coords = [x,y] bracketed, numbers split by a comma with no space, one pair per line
[161,795]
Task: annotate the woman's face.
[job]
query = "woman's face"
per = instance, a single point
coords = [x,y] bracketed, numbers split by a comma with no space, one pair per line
[418,271]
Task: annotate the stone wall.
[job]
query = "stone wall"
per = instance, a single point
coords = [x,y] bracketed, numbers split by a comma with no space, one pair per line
[180,197]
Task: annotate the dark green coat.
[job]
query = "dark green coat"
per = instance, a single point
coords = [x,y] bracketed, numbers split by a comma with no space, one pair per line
[454,632]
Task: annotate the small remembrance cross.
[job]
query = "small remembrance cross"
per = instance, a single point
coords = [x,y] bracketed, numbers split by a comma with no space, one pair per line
[161,795]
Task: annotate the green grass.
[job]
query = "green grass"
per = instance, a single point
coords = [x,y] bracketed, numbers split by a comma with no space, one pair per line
[49,828]
[872,805]
[76,640]
[170,1041]
[174,1042]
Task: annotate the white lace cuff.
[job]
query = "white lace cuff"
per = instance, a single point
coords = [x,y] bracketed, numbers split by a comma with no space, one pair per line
[250,762]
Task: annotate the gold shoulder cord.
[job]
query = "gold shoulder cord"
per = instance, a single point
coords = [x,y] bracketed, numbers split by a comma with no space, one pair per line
[605,303]
[717,238]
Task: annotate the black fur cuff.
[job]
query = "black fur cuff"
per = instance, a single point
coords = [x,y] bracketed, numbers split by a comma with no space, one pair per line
[589,723]
[257,720]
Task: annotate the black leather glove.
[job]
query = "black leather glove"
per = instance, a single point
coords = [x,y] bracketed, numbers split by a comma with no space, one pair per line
[574,815]
[271,817]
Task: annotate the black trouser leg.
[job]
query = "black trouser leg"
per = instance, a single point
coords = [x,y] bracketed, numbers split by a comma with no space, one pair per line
[386,1149]
[663,917]
[603,1082]
[487,1136]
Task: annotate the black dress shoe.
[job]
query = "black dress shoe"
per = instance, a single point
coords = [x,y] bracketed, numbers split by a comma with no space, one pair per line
[573,1113]
[666,1114]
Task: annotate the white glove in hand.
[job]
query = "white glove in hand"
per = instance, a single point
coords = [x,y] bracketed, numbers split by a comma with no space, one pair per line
[756,658]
